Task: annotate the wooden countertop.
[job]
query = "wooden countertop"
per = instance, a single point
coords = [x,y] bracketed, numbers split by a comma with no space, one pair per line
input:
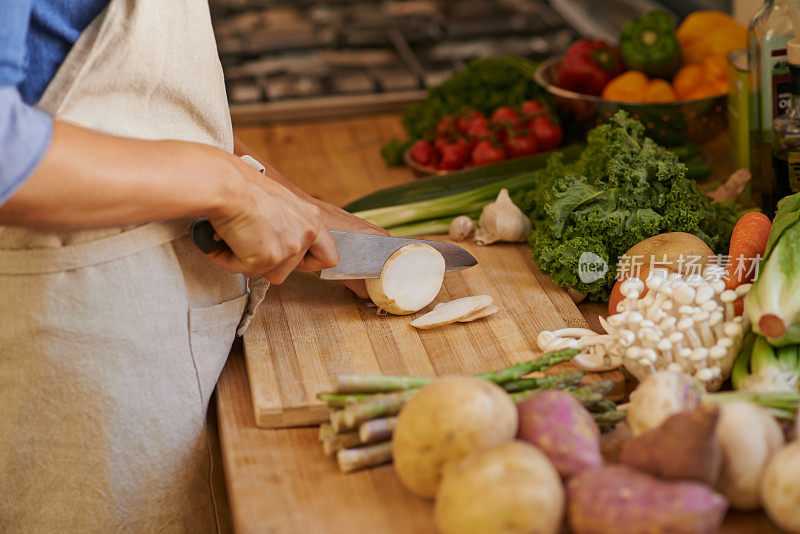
[279,480]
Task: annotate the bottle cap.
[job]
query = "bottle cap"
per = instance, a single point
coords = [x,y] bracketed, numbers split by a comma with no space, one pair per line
[793,51]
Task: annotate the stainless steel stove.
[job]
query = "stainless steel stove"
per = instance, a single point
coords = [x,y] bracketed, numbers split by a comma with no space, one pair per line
[287,60]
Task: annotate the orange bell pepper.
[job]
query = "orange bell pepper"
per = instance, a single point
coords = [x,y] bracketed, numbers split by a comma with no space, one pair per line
[627,87]
[659,91]
[634,86]
[705,33]
[703,80]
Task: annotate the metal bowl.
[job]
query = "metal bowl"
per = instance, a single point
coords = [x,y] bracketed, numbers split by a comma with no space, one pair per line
[669,123]
[419,169]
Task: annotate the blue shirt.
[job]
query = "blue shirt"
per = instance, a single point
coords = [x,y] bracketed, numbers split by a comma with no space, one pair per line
[35,37]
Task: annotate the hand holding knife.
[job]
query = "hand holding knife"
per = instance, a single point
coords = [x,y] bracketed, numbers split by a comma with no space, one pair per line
[361,255]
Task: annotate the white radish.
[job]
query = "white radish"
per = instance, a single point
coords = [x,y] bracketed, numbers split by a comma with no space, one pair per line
[409,280]
[480,314]
[452,311]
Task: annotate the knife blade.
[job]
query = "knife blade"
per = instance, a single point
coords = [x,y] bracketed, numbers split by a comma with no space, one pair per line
[363,255]
[360,255]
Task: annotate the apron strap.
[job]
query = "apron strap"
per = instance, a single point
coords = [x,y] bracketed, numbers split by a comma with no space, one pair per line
[53,260]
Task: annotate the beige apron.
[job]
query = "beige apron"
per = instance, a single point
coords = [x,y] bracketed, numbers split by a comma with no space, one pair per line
[112,340]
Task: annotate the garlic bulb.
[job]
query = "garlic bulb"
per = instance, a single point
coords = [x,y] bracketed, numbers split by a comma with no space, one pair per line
[461,228]
[502,220]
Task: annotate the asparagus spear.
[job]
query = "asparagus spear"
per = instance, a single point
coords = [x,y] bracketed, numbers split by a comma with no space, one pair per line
[523,368]
[377,429]
[603,405]
[325,430]
[337,400]
[378,384]
[336,442]
[348,387]
[367,456]
[338,423]
[570,378]
[377,406]
[608,420]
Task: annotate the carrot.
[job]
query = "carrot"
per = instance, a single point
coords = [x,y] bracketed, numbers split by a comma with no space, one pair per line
[748,242]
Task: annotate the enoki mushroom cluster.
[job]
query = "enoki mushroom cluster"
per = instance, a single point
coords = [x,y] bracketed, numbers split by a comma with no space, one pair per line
[684,324]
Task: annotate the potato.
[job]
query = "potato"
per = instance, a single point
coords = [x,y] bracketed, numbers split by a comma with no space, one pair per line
[509,488]
[683,447]
[660,395]
[748,436]
[678,251]
[444,422]
[618,499]
[780,488]
[563,429]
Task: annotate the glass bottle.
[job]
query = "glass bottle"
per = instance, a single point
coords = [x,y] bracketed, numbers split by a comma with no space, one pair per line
[786,138]
[767,36]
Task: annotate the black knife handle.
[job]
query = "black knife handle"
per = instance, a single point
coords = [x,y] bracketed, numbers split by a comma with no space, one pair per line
[206,238]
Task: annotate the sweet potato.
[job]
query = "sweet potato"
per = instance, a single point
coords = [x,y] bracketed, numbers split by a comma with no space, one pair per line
[682,447]
[660,395]
[563,429]
[618,499]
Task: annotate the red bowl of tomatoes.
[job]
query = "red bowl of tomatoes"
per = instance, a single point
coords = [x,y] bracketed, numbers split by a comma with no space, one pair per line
[470,139]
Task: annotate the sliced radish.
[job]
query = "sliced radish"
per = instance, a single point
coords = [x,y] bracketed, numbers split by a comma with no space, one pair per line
[480,314]
[450,312]
[410,279]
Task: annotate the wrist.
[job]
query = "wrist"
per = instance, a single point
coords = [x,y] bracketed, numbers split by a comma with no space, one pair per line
[227,187]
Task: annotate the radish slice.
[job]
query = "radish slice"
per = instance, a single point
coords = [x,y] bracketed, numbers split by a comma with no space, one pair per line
[450,312]
[480,314]
[410,279]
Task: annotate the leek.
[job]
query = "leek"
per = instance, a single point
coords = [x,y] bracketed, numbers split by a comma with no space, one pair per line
[782,405]
[760,368]
[430,227]
[447,206]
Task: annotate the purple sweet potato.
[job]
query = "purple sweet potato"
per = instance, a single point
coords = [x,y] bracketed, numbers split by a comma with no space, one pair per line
[684,447]
[563,429]
[618,499]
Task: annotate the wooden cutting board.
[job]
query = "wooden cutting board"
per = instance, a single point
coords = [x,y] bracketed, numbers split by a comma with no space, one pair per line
[307,331]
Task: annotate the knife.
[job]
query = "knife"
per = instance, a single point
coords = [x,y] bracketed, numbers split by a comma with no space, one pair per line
[360,255]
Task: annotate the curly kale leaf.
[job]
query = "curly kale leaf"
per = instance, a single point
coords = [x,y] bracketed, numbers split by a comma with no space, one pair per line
[624,188]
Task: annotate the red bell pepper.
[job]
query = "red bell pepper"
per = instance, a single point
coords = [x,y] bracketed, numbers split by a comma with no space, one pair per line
[588,66]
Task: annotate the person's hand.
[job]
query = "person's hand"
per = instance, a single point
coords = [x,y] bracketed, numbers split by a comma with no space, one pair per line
[338,219]
[270,230]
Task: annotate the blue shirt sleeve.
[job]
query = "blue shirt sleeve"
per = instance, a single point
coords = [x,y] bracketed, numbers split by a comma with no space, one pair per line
[25,134]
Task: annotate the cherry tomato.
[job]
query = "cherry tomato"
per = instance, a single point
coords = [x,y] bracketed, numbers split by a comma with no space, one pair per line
[521,145]
[485,152]
[440,143]
[479,128]
[454,155]
[532,107]
[548,135]
[467,143]
[465,121]
[445,126]
[505,114]
[422,151]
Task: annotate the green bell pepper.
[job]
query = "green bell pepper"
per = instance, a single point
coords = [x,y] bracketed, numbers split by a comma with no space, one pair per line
[649,44]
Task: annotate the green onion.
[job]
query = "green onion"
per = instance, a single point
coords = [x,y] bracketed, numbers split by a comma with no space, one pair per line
[447,206]
[781,405]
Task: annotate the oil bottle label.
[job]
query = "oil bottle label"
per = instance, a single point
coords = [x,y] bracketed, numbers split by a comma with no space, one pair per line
[793,159]
[775,93]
